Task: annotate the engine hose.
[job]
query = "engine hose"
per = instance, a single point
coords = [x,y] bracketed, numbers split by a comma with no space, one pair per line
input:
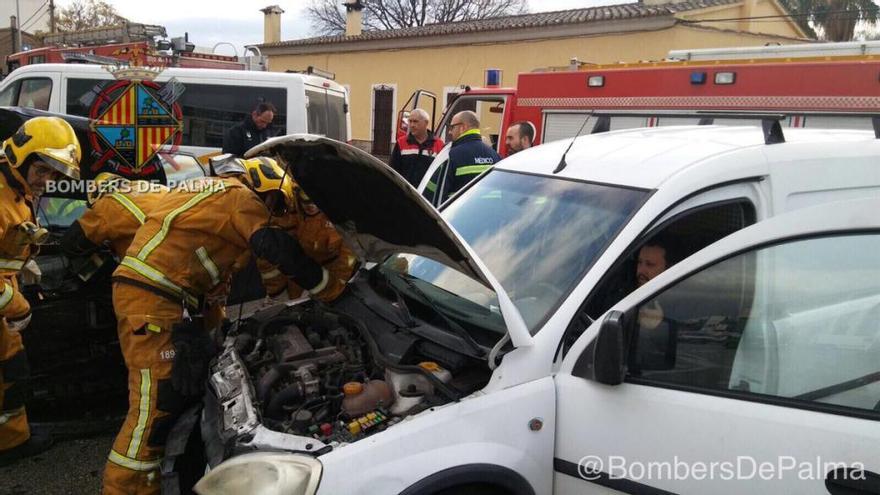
[382,361]
[285,397]
[266,382]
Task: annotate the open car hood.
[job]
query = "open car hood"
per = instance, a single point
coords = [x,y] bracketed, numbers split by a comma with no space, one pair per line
[372,206]
[378,212]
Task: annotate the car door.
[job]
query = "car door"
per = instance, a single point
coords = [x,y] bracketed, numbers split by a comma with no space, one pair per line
[755,371]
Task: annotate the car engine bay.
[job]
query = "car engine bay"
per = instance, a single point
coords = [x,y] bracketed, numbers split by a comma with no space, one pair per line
[310,378]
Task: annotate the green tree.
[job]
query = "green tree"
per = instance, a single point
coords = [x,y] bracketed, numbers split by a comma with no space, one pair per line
[87,14]
[833,20]
[328,16]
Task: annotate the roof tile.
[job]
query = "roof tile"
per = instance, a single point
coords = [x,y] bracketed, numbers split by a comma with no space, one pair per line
[523,21]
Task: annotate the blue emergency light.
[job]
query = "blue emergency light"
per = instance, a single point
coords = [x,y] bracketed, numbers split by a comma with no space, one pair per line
[493,77]
[698,78]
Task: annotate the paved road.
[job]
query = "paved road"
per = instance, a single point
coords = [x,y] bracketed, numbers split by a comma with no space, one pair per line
[69,467]
[75,464]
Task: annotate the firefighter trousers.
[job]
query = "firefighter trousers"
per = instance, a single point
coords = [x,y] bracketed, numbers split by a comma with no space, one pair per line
[14,372]
[144,327]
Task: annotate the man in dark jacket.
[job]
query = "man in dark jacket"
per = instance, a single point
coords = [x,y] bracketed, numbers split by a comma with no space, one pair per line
[253,130]
[469,155]
[415,150]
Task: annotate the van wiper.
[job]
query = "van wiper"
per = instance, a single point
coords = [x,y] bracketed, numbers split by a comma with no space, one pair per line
[455,327]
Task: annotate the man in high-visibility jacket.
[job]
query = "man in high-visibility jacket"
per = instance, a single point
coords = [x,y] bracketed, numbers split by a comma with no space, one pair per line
[469,156]
[43,149]
[320,241]
[189,244]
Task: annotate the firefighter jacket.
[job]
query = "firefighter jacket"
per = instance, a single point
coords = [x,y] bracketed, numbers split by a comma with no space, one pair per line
[468,157]
[194,239]
[112,219]
[411,158]
[16,208]
[320,242]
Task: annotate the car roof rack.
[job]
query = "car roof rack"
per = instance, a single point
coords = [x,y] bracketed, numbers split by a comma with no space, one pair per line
[769,120]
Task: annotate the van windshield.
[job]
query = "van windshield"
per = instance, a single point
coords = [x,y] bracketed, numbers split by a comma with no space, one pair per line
[537,235]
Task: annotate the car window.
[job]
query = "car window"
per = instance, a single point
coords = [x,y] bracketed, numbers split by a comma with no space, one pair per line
[81,93]
[7,96]
[798,321]
[35,93]
[209,110]
[326,113]
[680,237]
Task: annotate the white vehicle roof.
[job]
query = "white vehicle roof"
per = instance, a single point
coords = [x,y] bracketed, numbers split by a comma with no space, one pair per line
[232,75]
[647,157]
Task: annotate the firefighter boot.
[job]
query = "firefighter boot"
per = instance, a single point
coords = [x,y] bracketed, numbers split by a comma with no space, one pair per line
[39,442]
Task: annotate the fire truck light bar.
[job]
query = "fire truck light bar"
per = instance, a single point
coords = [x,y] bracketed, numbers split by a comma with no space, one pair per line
[596,81]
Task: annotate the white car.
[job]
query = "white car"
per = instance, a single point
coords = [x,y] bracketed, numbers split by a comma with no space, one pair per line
[447,367]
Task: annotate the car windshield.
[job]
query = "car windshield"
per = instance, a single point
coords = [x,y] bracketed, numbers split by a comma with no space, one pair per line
[538,235]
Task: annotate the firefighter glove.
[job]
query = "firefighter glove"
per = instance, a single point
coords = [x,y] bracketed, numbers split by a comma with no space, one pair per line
[281,249]
[193,350]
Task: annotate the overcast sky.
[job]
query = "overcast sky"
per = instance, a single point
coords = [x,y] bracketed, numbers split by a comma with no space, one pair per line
[241,22]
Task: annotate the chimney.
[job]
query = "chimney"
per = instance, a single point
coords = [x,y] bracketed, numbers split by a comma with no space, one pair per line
[353,17]
[272,24]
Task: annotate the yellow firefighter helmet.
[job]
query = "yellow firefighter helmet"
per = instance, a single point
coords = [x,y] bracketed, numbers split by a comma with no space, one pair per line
[265,177]
[49,139]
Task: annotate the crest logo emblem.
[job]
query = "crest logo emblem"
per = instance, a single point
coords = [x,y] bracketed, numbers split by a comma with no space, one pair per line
[133,119]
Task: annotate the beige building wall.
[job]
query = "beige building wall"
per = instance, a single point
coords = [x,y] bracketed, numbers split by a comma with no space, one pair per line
[452,66]
[779,26]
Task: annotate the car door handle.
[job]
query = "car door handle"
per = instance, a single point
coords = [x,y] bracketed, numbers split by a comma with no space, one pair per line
[852,481]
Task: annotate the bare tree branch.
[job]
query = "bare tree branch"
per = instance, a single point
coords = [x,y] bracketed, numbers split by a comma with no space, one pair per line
[87,14]
[328,16]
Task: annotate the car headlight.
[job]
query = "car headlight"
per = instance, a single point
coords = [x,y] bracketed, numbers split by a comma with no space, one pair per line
[263,473]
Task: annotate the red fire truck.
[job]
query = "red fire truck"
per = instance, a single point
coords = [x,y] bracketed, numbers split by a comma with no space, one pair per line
[837,84]
[135,53]
[130,43]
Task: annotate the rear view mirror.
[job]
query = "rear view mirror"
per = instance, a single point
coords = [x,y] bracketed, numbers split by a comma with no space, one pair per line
[497,109]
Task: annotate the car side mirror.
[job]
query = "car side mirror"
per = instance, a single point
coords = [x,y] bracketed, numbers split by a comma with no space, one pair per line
[609,355]
[604,359]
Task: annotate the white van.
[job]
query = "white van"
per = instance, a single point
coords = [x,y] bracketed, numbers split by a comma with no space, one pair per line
[213,100]
[480,320]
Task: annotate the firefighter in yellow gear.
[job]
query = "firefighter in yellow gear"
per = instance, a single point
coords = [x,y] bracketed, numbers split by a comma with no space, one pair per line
[190,243]
[301,219]
[43,149]
[320,241]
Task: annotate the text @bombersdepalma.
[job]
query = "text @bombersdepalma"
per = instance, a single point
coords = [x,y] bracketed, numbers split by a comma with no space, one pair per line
[737,468]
